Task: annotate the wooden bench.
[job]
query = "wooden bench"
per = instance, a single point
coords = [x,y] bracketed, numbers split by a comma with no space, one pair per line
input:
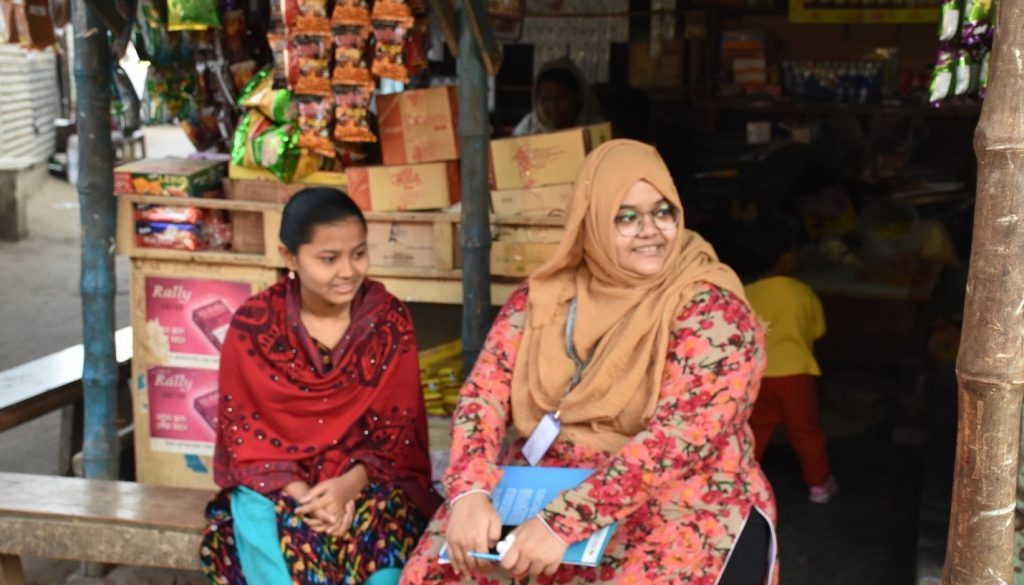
[54,382]
[100,521]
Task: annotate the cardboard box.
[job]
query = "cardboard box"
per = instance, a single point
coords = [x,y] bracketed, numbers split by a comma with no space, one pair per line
[519,259]
[663,71]
[419,126]
[174,177]
[401,245]
[548,201]
[405,187]
[543,159]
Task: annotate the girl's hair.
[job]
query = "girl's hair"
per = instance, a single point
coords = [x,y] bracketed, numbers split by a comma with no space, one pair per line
[312,207]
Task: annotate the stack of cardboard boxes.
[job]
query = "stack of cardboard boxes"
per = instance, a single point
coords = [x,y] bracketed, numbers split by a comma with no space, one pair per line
[532,178]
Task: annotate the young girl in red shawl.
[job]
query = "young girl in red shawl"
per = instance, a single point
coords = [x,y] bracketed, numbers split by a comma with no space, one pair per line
[322,440]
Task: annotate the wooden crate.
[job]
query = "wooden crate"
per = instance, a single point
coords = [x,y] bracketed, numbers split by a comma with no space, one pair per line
[523,244]
[255,243]
[159,347]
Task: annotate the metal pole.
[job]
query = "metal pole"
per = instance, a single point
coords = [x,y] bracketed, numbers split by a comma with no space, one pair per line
[990,367]
[96,193]
[475,230]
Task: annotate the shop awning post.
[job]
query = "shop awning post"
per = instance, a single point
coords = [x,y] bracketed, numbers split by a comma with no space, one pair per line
[475,230]
[990,366]
[92,70]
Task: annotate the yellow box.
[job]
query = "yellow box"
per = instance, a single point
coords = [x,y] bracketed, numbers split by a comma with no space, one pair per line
[548,201]
[543,159]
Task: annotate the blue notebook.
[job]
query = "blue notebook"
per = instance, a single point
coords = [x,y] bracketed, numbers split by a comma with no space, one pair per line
[523,492]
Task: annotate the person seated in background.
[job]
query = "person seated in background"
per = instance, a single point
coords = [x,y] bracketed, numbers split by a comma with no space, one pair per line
[321,448]
[794,320]
[561,99]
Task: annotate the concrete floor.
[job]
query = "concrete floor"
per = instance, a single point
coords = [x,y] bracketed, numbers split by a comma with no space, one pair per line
[866,535]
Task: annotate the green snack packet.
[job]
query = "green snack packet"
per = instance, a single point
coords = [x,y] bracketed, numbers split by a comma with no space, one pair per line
[276,104]
[258,143]
[949,23]
[192,15]
[942,76]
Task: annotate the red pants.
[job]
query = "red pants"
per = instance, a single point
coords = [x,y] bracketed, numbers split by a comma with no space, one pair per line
[793,402]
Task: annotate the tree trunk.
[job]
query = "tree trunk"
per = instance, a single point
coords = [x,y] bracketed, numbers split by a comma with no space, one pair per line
[990,367]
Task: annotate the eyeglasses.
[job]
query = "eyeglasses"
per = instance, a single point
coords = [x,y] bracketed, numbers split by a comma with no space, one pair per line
[630,223]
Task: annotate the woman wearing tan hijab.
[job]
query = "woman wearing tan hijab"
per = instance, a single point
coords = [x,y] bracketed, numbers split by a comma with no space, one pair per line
[673,359]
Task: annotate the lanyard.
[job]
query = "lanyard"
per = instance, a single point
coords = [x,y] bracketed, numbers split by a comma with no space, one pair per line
[570,348]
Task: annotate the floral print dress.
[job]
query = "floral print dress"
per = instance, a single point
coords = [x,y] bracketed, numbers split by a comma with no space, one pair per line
[680,490]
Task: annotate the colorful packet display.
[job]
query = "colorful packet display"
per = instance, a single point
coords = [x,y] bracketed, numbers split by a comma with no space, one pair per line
[393,10]
[966,75]
[168,214]
[351,111]
[168,236]
[942,75]
[170,94]
[312,53]
[389,49]
[216,230]
[976,19]
[949,22]
[259,143]
[276,104]
[192,15]
[351,154]
[354,12]
[312,8]
[350,63]
[313,95]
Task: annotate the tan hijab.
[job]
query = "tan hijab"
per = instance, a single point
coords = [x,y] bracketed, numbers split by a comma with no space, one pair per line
[623,319]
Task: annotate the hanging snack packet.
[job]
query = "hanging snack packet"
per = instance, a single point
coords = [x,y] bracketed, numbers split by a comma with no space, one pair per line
[966,72]
[192,15]
[313,95]
[949,22]
[389,51]
[355,12]
[942,75]
[395,10]
[351,154]
[276,104]
[258,143]
[976,19]
[351,111]
[312,53]
[312,8]
[350,64]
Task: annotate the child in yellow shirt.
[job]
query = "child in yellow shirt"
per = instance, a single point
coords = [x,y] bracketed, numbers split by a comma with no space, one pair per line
[793,319]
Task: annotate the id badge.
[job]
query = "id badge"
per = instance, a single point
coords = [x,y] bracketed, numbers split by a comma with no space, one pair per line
[541,438]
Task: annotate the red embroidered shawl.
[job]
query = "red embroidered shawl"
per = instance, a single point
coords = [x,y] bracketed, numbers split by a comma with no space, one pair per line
[284,416]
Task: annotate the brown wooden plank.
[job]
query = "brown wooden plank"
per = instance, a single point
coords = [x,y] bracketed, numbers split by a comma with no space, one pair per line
[48,383]
[10,570]
[99,542]
[112,502]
